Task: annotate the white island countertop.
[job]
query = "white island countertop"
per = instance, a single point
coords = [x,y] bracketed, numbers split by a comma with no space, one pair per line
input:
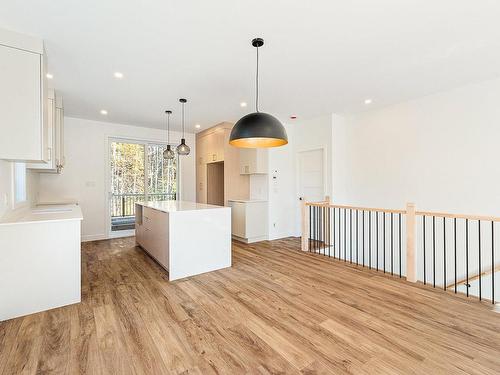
[175,206]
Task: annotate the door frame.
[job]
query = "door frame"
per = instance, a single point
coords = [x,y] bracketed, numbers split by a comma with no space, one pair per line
[298,211]
[107,176]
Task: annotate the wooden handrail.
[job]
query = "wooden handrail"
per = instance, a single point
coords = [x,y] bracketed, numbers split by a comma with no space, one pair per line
[458,216]
[325,204]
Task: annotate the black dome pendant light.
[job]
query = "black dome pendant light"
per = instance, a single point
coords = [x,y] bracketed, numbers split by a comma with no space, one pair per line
[168,154]
[183,148]
[258,129]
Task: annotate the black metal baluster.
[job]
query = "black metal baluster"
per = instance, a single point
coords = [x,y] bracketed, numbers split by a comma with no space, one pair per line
[455,251]
[392,244]
[425,265]
[324,230]
[479,235]
[334,230]
[434,251]
[400,270]
[350,234]
[369,239]
[467,255]
[493,262]
[363,228]
[310,226]
[384,239]
[376,227]
[444,253]
[357,236]
[329,229]
[345,250]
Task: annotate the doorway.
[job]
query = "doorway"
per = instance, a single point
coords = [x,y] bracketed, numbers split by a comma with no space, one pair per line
[311,180]
[137,172]
[215,183]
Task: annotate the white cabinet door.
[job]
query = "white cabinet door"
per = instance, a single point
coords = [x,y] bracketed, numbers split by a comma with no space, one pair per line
[52,145]
[253,161]
[60,160]
[21,108]
[238,219]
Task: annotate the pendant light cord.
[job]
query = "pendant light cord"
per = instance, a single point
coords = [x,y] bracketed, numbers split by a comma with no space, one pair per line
[257,84]
[183,120]
[168,128]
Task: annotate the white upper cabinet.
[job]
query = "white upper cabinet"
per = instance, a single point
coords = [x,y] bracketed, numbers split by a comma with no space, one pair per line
[59,124]
[253,161]
[55,138]
[23,98]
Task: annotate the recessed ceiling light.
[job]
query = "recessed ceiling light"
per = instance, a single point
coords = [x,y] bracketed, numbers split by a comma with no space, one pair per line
[118,75]
[49,76]
[197,126]
[368,101]
[243,104]
[104,112]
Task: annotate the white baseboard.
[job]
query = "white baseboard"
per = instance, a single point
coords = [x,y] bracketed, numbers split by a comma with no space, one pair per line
[94,237]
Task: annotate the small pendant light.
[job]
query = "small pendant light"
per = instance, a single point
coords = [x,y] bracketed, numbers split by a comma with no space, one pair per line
[258,129]
[183,148]
[168,154]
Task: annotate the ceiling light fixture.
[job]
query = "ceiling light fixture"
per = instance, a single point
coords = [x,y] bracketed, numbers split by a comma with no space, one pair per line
[118,75]
[293,117]
[243,104]
[168,154]
[197,126]
[368,101]
[49,76]
[258,129]
[183,148]
[104,112]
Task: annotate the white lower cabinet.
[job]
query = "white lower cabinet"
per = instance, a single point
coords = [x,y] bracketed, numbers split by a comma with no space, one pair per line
[248,220]
[151,233]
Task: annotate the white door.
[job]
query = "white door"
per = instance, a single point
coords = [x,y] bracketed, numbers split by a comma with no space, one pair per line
[311,180]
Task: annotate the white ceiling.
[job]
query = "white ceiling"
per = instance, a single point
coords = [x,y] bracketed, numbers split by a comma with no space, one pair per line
[318,57]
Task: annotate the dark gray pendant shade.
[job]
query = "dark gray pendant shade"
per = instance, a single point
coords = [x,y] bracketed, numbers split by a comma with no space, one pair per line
[183,148]
[258,129]
[168,154]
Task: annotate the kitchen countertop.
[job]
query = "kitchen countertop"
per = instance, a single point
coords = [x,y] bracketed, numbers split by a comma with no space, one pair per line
[247,200]
[43,213]
[176,206]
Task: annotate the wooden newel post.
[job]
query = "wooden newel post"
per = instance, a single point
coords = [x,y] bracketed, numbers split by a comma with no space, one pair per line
[305,226]
[411,255]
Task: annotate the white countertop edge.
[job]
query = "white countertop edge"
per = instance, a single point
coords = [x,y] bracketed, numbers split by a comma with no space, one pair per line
[29,216]
[179,206]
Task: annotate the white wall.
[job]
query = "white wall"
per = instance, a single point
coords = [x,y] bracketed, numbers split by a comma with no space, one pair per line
[281,188]
[440,151]
[84,177]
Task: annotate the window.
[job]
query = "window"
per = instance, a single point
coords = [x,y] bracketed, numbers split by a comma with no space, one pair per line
[19,184]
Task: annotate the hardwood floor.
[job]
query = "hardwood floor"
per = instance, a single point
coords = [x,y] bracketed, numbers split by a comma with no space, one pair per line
[277,310]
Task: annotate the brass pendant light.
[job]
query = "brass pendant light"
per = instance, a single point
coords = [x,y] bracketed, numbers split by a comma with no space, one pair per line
[258,129]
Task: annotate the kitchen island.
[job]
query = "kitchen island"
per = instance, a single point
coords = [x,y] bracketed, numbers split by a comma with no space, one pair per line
[185,238]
